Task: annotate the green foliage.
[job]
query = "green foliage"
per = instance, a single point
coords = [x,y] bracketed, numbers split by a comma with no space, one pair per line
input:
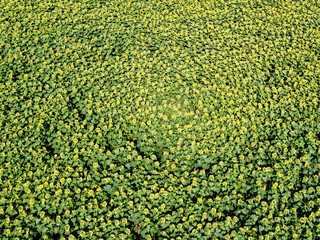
[165,119]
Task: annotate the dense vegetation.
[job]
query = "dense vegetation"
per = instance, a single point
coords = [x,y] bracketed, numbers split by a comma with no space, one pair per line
[173,119]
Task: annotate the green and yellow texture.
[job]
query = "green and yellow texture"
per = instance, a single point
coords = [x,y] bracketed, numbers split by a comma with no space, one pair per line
[174,119]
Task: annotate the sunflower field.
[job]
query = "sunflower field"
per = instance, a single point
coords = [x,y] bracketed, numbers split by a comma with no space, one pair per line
[159,119]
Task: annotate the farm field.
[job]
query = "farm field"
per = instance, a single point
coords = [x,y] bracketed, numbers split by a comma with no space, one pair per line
[171,119]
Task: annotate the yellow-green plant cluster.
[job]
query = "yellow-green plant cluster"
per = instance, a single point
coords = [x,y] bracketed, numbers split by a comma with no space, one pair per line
[171,119]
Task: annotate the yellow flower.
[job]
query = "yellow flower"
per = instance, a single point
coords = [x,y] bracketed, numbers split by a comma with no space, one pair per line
[67,228]
[95,165]
[265,220]
[91,192]
[162,220]
[47,220]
